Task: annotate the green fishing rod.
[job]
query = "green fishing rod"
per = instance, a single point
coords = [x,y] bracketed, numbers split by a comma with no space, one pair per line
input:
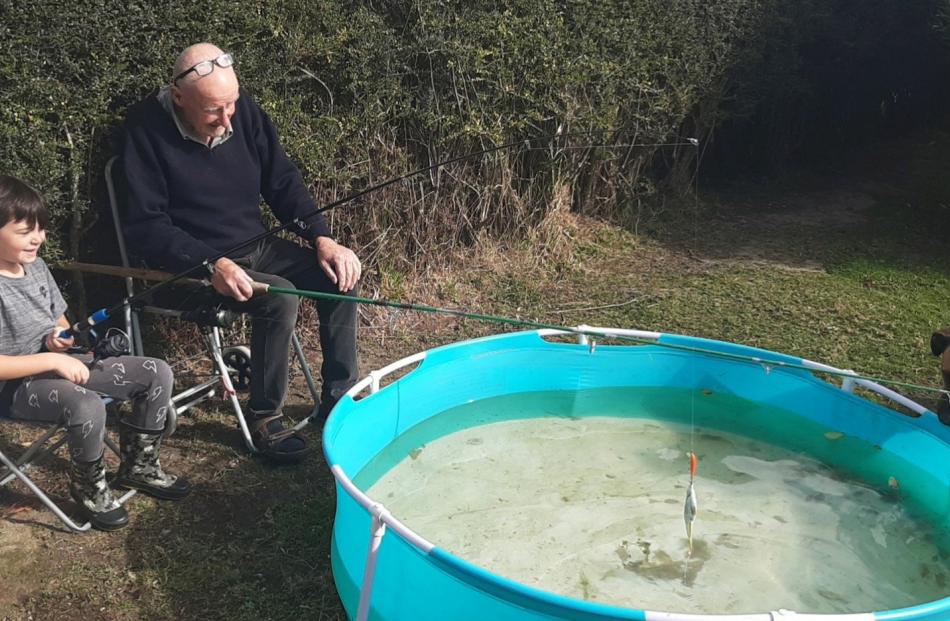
[535,325]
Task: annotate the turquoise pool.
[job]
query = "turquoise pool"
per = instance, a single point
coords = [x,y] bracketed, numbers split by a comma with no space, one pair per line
[386,571]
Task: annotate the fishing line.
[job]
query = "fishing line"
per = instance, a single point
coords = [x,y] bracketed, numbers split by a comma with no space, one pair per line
[690,506]
[695,218]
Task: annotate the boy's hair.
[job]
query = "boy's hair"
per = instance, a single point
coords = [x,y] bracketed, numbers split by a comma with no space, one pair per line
[20,201]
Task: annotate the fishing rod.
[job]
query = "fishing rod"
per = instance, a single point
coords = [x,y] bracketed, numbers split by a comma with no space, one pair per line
[261,288]
[104,314]
[767,362]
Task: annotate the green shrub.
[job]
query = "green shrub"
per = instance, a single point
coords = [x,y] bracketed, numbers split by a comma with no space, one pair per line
[365,91]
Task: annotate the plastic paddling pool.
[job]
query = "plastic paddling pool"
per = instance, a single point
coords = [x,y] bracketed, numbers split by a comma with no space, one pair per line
[385,571]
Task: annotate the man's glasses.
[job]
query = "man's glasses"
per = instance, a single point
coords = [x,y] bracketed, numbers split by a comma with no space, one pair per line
[206,66]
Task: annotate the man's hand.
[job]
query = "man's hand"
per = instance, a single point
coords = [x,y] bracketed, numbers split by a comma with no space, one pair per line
[230,280]
[339,263]
[55,343]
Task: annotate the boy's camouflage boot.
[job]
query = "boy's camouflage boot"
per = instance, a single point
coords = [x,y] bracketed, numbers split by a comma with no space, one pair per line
[97,505]
[141,468]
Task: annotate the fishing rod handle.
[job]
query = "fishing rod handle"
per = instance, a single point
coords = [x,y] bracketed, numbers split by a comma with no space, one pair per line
[97,317]
[259,288]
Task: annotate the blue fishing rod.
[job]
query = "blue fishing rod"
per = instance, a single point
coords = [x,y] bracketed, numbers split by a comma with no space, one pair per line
[104,314]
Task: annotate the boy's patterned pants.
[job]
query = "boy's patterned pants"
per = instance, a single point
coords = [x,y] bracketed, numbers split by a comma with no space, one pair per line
[146,382]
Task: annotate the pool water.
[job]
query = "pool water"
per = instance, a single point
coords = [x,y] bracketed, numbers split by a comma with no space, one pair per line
[581,494]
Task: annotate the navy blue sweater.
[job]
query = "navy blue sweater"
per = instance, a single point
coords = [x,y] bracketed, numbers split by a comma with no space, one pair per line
[186,203]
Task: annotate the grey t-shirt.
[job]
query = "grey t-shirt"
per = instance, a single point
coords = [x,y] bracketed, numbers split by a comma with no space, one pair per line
[29,308]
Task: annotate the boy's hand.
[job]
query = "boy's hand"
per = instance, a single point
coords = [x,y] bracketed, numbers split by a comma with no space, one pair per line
[55,343]
[71,369]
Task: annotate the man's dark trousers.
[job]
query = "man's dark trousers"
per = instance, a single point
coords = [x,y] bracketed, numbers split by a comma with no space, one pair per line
[282,263]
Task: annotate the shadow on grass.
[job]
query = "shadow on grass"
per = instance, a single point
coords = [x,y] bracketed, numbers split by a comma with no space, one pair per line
[251,542]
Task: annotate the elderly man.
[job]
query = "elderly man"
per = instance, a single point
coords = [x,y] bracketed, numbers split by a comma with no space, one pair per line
[198,155]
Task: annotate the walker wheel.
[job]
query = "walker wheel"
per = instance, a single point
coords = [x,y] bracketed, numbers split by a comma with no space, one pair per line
[238,360]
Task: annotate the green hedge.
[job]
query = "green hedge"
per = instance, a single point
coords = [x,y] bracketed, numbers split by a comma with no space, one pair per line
[362,91]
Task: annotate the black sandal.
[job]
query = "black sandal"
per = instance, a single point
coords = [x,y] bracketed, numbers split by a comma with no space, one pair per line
[275,442]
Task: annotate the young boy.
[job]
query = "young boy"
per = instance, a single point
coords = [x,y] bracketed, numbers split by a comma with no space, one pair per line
[40,381]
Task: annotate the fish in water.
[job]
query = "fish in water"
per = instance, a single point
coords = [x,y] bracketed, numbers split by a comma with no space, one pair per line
[690,508]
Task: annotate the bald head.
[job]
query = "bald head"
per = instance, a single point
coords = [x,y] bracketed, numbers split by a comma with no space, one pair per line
[191,56]
[206,103]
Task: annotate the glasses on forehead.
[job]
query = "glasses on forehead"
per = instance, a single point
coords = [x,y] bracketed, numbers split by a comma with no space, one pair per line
[206,66]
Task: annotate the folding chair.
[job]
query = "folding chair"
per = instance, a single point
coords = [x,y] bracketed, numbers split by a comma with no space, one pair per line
[47,444]
[225,360]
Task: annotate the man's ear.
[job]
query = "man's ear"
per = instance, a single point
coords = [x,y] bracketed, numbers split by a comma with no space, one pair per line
[176,96]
